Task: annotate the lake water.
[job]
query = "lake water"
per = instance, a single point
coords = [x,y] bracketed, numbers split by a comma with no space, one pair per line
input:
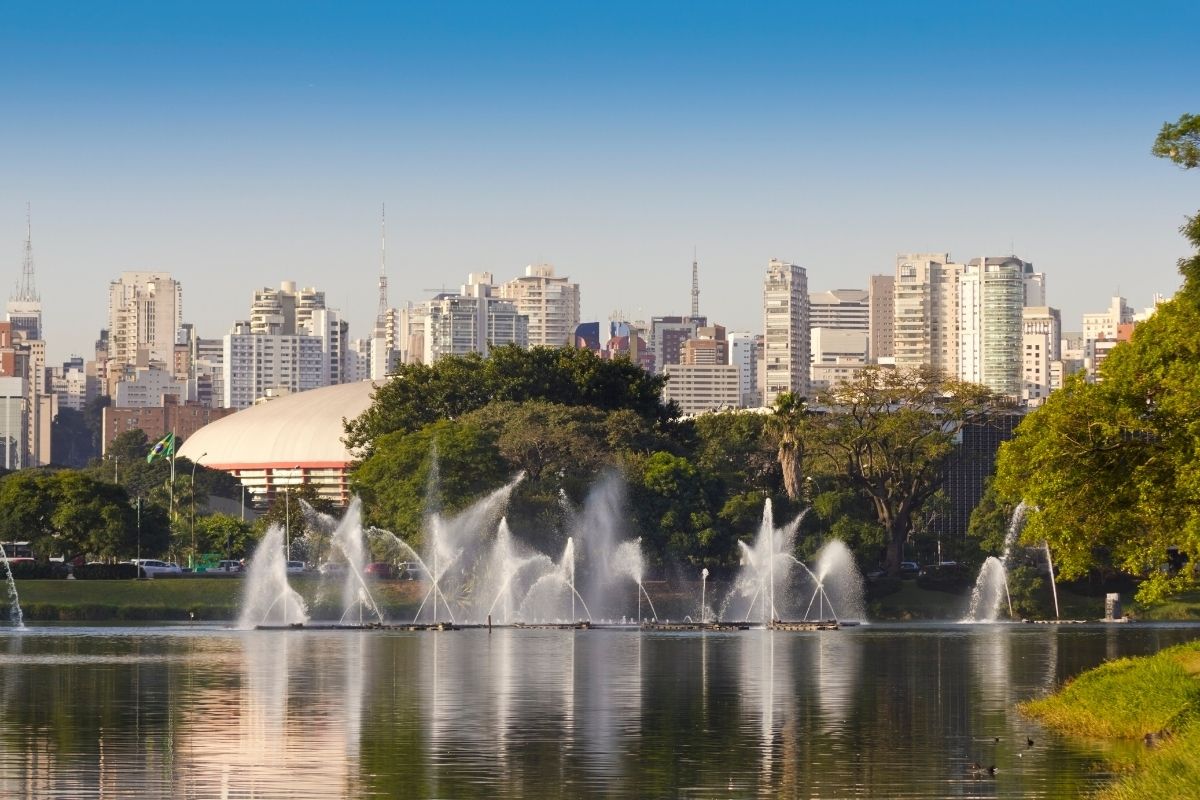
[875,711]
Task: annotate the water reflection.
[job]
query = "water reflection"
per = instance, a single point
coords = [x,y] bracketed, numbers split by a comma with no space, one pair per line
[875,711]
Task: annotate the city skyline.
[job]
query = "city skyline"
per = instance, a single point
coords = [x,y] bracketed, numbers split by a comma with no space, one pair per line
[237,147]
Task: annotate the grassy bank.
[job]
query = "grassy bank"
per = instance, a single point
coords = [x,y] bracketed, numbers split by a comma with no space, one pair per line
[212,598]
[1184,606]
[911,602]
[1155,699]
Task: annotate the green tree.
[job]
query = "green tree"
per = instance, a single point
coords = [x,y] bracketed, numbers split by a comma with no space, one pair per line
[1112,469]
[225,534]
[887,434]
[395,481]
[420,394]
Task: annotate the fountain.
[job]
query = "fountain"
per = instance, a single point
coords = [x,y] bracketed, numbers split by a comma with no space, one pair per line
[993,576]
[769,579]
[348,538]
[839,585]
[1053,585]
[991,587]
[703,590]
[14,602]
[268,599]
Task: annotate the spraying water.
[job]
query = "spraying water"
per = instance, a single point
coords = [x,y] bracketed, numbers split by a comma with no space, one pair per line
[991,587]
[14,602]
[1053,585]
[268,598]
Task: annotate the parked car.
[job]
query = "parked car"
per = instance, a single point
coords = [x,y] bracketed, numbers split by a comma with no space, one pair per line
[380,569]
[909,569]
[332,568]
[409,571]
[295,567]
[153,568]
[227,567]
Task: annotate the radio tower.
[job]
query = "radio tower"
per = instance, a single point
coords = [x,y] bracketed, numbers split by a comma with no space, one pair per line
[27,289]
[695,286]
[382,314]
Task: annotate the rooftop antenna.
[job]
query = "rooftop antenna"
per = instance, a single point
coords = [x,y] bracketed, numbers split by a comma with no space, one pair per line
[27,289]
[382,313]
[695,285]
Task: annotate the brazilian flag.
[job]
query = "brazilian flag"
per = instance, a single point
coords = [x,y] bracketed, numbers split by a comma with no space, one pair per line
[165,447]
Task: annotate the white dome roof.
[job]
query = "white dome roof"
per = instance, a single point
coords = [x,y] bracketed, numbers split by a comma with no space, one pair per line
[303,429]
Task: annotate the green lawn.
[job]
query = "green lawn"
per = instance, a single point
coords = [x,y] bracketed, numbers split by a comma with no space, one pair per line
[214,598]
[1154,699]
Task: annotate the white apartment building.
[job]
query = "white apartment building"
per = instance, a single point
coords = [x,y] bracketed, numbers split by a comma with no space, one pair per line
[1041,354]
[833,345]
[472,321]
[785,331]
[551,303]
[743,353]
[145,309]
[833,374]
[881,317]
[1103,326]
[840,309]
[149,386]
[284,310]
[991,297]
[13,446]
[926,304]
[296,344]
[699,388]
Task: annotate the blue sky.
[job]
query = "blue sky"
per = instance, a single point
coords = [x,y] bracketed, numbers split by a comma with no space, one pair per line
[240,144]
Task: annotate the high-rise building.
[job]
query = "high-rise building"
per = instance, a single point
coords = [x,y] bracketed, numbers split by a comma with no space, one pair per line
[1100,331]
[840,309]
[881,320]
[743,353]
[708,347]
[472,321]
[145,309]
[926,312]
[698,388]
[667,335]
[551,303]
[1041,355]
[292,343]
[785,330]
[284,310]
[991,296]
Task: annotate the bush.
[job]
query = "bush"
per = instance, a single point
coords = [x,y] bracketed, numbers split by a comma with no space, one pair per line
[106,572]
[944,578]
[38,570]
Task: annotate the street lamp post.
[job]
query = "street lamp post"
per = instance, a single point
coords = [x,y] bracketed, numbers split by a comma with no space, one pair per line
[194,465]
[139,533]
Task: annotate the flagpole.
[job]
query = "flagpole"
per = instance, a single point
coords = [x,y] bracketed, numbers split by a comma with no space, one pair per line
[172,480]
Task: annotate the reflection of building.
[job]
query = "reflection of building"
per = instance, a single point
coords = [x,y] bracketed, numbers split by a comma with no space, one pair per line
[967,470]
[293,440]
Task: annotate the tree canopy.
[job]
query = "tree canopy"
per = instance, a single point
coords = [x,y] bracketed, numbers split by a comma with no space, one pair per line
[420,394]
[1112,468]
[887,434]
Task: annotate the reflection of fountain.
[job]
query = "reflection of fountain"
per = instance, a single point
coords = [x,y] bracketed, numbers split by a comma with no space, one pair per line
[268,598]
[14,602]
[993,576]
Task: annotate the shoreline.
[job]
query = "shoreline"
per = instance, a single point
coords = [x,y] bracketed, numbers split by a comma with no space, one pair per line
[1149,703]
